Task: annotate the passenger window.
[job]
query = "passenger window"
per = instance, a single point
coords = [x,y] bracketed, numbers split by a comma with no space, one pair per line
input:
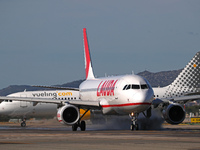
[134,86]
[144,86]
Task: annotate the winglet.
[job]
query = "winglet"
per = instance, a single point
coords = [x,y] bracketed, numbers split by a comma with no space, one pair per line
[88,62]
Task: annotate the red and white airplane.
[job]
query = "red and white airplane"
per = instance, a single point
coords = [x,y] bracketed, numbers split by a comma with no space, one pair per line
[116,95]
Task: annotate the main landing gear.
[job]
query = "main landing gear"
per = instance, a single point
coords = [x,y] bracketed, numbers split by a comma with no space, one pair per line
[134,119]
[80,123]
[23,122]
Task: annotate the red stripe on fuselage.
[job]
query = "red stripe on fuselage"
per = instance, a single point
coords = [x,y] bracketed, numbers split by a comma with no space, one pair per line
[122,105]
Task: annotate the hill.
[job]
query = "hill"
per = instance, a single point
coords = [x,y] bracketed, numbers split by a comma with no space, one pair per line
[161,79]
[156,79]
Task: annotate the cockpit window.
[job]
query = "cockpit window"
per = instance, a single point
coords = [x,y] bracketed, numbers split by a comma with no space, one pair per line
[144,86]
[128,87]
[125,87]
[135,86]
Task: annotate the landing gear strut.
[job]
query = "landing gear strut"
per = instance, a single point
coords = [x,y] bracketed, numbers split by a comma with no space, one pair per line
[80,123]
[134,120]
[23,122]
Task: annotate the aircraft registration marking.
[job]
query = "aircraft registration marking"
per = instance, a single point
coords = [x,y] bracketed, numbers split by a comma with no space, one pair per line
[106,88]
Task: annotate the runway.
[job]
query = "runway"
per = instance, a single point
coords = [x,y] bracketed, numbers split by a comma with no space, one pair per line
[46,137]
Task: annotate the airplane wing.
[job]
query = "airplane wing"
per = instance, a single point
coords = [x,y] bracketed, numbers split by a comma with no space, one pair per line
[78,103]
[54,101]
[86,104]
[55,87]
[181,100]
[185,99]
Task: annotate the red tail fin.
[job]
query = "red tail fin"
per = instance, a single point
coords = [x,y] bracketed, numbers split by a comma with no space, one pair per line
[88,63]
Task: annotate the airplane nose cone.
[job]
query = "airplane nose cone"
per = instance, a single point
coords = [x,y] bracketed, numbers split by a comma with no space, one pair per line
[144,96]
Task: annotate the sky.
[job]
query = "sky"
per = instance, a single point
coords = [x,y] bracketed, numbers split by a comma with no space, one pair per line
[41,41]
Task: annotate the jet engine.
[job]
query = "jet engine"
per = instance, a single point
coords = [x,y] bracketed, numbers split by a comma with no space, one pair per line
[68,114]
[174,114]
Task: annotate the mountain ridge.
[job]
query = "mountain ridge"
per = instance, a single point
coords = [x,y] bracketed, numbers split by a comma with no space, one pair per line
[161,79]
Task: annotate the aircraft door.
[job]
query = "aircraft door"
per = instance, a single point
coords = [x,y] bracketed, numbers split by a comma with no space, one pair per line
[23,104]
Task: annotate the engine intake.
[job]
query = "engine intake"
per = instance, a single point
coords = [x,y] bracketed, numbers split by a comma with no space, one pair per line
[68,114]
[174,114]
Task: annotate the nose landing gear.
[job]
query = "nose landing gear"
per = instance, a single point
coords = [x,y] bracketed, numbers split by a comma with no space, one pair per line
[134,120]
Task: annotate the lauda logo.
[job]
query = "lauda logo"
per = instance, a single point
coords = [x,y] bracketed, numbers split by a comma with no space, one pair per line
[106,88]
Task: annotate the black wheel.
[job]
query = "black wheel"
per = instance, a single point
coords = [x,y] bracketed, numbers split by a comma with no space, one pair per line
[136,127]
[23,124]
[83,125]
[74,127]
[132,127]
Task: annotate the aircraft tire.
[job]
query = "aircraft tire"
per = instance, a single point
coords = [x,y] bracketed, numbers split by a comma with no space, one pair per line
[23,124]
[74,127]
[136,127]
[132,127]
[83,126]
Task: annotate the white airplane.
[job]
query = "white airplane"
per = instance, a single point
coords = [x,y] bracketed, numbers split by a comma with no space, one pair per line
[109,94]
[26,109]
[185,88]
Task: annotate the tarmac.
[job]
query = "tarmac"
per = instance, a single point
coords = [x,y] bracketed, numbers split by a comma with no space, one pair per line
[51,135]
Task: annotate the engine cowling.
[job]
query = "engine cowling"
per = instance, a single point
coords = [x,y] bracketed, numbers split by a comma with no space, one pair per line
[174,114]
[68,114]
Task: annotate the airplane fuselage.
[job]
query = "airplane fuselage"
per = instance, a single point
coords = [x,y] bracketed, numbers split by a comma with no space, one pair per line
[23,108]
[118,94]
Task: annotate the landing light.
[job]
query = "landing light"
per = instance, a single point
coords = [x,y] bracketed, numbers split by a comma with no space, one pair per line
[132,114]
